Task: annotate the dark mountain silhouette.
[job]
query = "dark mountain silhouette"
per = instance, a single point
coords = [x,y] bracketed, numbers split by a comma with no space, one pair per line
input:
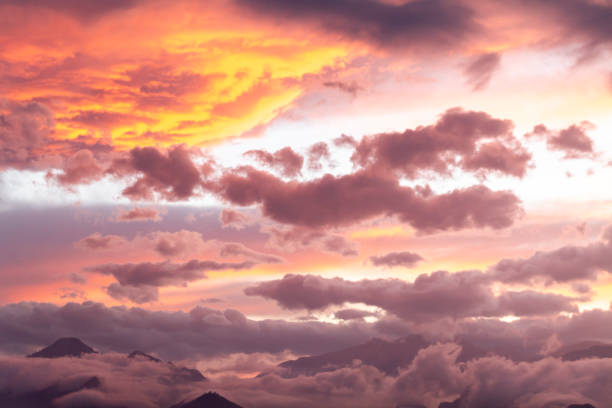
[208,400]
[140,354]
[180,374]
[64,347]
[387,356]
[462,402]
[455,404]
[593,351]
[44,398]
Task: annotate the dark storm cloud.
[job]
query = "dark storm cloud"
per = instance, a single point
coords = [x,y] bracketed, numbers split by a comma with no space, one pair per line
[428,25]
[81,9]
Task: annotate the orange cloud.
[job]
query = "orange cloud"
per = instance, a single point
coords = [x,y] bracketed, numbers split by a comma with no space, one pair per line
[157,73]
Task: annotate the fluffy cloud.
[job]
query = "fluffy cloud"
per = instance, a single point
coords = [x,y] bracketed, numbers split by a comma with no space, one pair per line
[344,200]
[234,219]
[147,276]
[173,175]
[430,297]
[392,259]
[25,128]
[172,335]
[301,238]
[573,140]
[566,264]
[434,147]
[285,160]
[97,241]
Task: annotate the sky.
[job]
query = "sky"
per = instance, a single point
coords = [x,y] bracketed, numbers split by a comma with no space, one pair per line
[236,183]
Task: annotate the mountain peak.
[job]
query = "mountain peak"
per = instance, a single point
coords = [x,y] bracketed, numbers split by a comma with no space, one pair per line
[143,355]
[64,347]
[208,400]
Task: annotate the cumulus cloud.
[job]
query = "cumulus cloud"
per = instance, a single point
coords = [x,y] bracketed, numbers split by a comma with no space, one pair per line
[140,282]
[285,160]
[316,153]
[405,259]
[81,167]
[173,174]
[24,129]
[97,241]
[573,140]
[566,264]
[335,201]
[481,141]
[172,335]
[301,238]
[431,296]
[234,219]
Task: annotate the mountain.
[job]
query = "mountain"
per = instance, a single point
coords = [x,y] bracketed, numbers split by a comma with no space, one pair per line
[45,397]
[179,374]
[64,347]
[139,354]
[387,356]
[592,351]
[208,400]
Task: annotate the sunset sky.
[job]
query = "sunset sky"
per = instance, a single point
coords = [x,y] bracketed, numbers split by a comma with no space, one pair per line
[303,176]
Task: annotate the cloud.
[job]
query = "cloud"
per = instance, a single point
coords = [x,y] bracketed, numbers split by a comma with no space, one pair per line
[351,88]
[97,241]
[176,244]
[300,238]
[234,219]
[80,168]
[138,214]
[405,259]
[172,335]
[316,153]
[433,377]
[481,69]
[173,175]
[234,249]
[140,282]
[288,162]
[434,148]
[25,128]
[416,25]
[336,201]
[78,9]
[573,140]
[353,314]
[565,264]
[431,296]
